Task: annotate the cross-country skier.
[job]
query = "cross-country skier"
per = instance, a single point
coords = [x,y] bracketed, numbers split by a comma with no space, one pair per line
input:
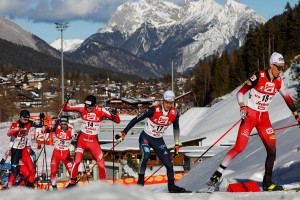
[158,119]
[91,116]
[263,86]
[64,134]
[24,171]
[18,139]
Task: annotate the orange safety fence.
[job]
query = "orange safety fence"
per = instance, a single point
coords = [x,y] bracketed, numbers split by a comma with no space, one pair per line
[159,179]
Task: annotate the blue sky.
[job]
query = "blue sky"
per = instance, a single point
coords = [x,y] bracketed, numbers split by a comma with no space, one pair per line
[85,17]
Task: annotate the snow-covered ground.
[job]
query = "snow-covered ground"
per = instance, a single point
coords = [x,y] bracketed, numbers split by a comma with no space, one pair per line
[211,123]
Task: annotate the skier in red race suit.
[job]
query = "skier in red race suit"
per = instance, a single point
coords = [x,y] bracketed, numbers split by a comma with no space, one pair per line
[159,118]
[91,116]
[24,171]
[18,137]
[64,134]
[263,86]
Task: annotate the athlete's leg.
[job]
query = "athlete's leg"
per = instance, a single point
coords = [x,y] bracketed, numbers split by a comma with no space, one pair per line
[267,136]
[23,175]
[96,151]
[16,155]
[145,151]
[163,154]
[80,147]
[29,164]
[241,142]
[55,160]
[67,160]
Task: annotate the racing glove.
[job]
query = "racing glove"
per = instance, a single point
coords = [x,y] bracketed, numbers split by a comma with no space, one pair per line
[244,112]
[297,117]
[176,151]
[120,136]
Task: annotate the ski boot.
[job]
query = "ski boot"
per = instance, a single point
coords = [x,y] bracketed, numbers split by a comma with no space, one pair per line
[172,188]
[30,185]
[71,184]
[269,186]
[214,179]
[141,180]
[54,187]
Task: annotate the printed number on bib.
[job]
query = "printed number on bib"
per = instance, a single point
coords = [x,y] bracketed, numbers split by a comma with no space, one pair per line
[266,98]
[90,124]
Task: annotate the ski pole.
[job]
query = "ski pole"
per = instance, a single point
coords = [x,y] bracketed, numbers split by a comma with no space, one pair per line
[277,129]
[83,161]
[113,150]
[285,127]
[34,164]
[98,161]
[216,141]
[45,154]
[154,173]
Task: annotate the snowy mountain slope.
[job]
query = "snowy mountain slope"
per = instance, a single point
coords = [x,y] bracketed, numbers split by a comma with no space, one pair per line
[68,45]
[12,32]
[103,56]
[158,30]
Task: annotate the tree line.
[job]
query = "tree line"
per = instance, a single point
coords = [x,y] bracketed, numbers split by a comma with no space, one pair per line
[220,74]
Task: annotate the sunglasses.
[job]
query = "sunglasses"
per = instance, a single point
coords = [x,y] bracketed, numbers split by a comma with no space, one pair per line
[168,102]
[63,124]
[25,119]
[280,68]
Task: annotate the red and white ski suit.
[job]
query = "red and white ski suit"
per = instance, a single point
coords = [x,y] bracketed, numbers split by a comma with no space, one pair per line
[88,137]
[18,140]
[61,151]
[262,92]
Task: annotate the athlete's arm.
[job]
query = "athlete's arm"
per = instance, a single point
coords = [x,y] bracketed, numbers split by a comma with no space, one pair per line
[253,80]
[78,108]
[176,129]
[14,129]
[147,114]
[112,117]
[287,98]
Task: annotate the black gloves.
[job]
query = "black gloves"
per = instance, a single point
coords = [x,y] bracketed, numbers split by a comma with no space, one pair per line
[297,119]
[42,116]
[113,111]
[120,136]
[176,151]
[67,97]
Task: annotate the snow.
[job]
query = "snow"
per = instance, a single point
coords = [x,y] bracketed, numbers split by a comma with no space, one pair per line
[198,29]
[210,122]
[68,45]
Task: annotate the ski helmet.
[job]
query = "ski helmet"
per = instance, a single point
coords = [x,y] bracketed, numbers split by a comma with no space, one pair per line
[90,100]
[25,114]
[64,119]
[169,96]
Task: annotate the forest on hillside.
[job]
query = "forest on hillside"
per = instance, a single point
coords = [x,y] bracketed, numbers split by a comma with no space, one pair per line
[222,73]
[13,56]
